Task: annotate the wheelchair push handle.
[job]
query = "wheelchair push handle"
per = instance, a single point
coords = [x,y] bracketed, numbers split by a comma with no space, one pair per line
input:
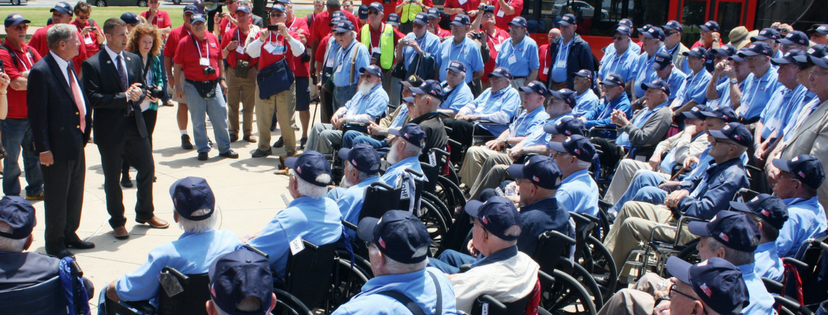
[821,245]
[76,269]
[256,250]
[350,225]
[176,273]
[485,298]
[555,235]
[382,184]
[414,172]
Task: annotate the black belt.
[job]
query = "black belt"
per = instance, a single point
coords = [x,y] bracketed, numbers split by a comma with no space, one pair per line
[200,82]
[519,77]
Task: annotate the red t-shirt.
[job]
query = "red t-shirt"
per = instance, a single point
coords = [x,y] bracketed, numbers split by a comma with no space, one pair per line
[17,99]
[172,42]
[161,20]
[38,42]
[319,54]
[494,43]
[300,27]
[281,51]
[233,56]
[320,24]
[543,51]
[189,51]
[388,6]
[225,26]
[468,5]
[441,33]
[90,40]
[501,18]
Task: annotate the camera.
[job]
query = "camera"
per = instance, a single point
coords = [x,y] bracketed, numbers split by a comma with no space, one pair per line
[156,91]
[273,27]
[209,70]
[476,35]
[486,8]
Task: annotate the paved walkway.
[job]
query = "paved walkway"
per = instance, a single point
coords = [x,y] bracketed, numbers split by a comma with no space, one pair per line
[247,193]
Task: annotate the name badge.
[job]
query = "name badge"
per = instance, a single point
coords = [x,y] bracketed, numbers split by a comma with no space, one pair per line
[462,2]
[546,70]
[160,19]
[498,46]
[296,245]
[204,62]
[376,50]
[88,40]
[339,68]
[560,63]
[270,47]
[240,49]
[329,63]
[500,13]
[512,59]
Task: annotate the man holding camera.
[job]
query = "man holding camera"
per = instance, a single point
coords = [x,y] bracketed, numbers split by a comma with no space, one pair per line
[492,35]
[241,73]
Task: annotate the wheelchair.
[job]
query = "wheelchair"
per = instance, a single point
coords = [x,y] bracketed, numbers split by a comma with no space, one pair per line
[50,297]
[191,300]
[488,305]
[567,287]
[592,255]
[803,287]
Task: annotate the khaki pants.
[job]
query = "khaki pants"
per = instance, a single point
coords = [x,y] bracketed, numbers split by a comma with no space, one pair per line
[622,178]
[282,104]
[244,90]
[473,163]
[491,178]
[629,302]
[635,224]
[517,83]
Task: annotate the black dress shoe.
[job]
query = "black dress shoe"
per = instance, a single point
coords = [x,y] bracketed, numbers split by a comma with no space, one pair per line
[80,244]
[279,143]
[259,153]
[61,253]
[185,142]
[202,156]
[126,182]
[234,138]
[230,154]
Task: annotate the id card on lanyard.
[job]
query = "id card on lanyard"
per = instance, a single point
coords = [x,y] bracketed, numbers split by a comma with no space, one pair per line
[203,61]
[563,53]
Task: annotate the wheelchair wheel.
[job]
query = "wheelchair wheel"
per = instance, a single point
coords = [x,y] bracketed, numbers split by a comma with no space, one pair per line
[453,191]
[440,204]
[562,294]
[359,261]
[289,304]
[435,224]
[597,260]
[585,278]
[347,282]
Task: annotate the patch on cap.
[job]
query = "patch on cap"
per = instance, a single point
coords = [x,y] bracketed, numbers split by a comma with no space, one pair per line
[706,290]
[724,237]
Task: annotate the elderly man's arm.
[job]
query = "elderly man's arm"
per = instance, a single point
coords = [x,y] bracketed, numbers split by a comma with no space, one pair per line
[654,128]
[718,195]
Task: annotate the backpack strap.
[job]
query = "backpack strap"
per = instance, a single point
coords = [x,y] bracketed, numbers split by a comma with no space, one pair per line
[353,61]
[12,54]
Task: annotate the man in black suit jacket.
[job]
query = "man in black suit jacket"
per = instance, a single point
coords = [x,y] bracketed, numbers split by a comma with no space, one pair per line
[113,79]
[60,120]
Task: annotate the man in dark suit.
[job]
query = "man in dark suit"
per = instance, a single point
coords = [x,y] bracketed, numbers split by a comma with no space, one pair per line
[59,116]
[113,81]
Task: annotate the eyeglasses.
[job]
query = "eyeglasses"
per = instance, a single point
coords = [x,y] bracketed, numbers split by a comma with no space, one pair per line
[669,33]
[374,12]
[418,25]
[83,17]
[817,73]
[339,34]
[276,14]
[673,292]
[557,154]
[753,58]
[717,141]
[618,38]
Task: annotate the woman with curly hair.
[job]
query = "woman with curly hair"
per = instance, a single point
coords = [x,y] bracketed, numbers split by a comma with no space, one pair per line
[145,40]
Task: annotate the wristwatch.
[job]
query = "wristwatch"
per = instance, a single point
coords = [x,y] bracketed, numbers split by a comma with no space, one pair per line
[734,81]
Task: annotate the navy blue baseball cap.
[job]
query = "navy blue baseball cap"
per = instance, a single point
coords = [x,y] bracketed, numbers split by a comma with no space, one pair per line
[19,214]
[14,19]
[198,18]
[738,56]
[461,20]
[191,194]
[736,132]
[344,26]
[765,34]
[541,170]
[658,84]
[697,52]
[430,87]
[818,51]
[393,19]
[795,37]
[768,207]
[577,145]
[372,69]
[819,61]
[433,13]
[726,50]
[497,215]
[421,18]
[501,72]
[238,275]
[567,20]
[673,25]
[412,133]
[613,79]
[335,20]
[281,8]
[567,125]
[243,8]
[376,6]
[807,169]
[733,229]
[362,156]
[723,112]
[710,26]
[62,7]
[623,30]
[518,21]
[696,112]
[822,29]
[663,59]
[413,81]
[654,32]
[644,29]
[566,95]
[717,282]
[337,14]
[789,57]
[130,18]
[362,13]
[756,49]
[584,73]
[457,66]
[400,235]
[191,8]
[310,166]
[626,22]
[536,87]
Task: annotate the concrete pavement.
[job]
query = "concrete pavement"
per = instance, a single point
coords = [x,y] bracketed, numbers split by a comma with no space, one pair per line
[247,194]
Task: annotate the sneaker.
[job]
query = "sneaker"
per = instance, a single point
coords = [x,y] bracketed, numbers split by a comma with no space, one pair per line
[259,153]
[202,156]
[230,154]
[35,197]
[279,143]
[185,142]
[168,103]
[295,127]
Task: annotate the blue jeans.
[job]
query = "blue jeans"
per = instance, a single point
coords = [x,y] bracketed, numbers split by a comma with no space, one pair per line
[451,260]
[641,180]
[652,194]
[17,134]
[350,138]
[216,109]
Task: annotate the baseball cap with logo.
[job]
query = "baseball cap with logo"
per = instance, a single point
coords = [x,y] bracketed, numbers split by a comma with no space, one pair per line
[789,57]
[497,215]
[518,21]
[430,87]
[310,166]
[372,69]
[795,37]
[243,8]
[696,112]
[822,29]
[376,6]
[626,22]
[14,19]
[765,34]
[130,18]
[433,13]
[457,66]
[190,8]
[281,8]
[584,73]
[657,84]
[768,207]
[710,26]
[623,30]
[363,156]
[673,25]
[238,275]
[717,282]
[541,170]
[734,131]
[500,72]
[815,54]
[421,18]
[567,20]
[62,8]
[412,133]
[400,235]
[577,145]
[413,81]
[726,50]
[567,95]
[807,169]
[644,29]
[461,20]
[654,32]
[191,194]
[738,57]
[536,87]
[19,214]
[662,60]
[393,19]
[567,125]
[613,79]
[757,49]
[697,52]
[723,112]
[198,18]
[734,230]
[362,13]
[344,26]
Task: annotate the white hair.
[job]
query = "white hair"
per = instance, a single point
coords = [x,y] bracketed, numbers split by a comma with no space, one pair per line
[736,257]
[248,304]
[200,226]
[248,3]
[583,164]
[310,190]
[411,149]
[10,245]
[59,33]
[396,267]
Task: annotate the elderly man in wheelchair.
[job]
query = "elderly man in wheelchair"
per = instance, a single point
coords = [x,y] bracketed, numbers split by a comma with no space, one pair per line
[194,205]
[241,283]
[701,198]
[31,283]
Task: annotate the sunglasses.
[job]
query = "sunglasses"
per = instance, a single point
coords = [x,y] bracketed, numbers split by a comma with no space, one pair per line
[374,12]
[276,14]
[83,17]
[339,34]
[618,38]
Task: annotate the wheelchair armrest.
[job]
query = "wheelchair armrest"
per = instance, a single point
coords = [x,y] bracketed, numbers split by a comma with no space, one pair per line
[383,185]
[415,172]
[182,277]
[349,225]
[791,305]
[796,263]
[356,124]
[485,298]
[142,306]
[486,122]
[454,142]
[440,151]
[545,277]
[256,250]
[443,114]
[76,269]
[465,267]
[821,245]
[552,234]
[772,286]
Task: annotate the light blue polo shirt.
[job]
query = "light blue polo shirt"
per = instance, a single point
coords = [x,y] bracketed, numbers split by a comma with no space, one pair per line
[600,116]
[456,98]
[768,264]
[676,81]
[625,65]
[801,97]
[579,193]
[761,302]
[773,115]
[528,122]
[723,89]
[350,203]
[372,104]
[342,63]
[585,103]
[467,52]
[316,220]
[520,59]
[430,44]
[610,49]
[561,61]
[695,88]
[417,285]
[644,70]
[392,174]
[806,219]
[499,107]
[756,94]
[539,136]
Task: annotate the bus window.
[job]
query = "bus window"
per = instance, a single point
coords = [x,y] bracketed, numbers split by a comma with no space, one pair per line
[694,13]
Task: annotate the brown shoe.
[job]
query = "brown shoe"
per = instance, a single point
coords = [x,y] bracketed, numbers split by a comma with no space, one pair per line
[120,233]
[155,223]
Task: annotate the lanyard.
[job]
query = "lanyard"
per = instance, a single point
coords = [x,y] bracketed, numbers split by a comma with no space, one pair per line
[345,52]
[23,62]
[371,38]
[563,50]
[198,47]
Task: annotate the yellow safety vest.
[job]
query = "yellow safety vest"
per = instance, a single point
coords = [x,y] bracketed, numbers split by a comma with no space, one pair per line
[409,11]
[386,44]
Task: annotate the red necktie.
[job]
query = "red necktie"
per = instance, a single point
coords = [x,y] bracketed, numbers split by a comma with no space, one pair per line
[76,94]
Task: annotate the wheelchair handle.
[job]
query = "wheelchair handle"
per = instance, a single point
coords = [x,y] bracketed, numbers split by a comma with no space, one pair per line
[76,269]
[485,298]
[382,184]
[176,273]
[796,263]
[415,172]
[557,235]
[822,245]
[256,250]
[441,151]
[350,225]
